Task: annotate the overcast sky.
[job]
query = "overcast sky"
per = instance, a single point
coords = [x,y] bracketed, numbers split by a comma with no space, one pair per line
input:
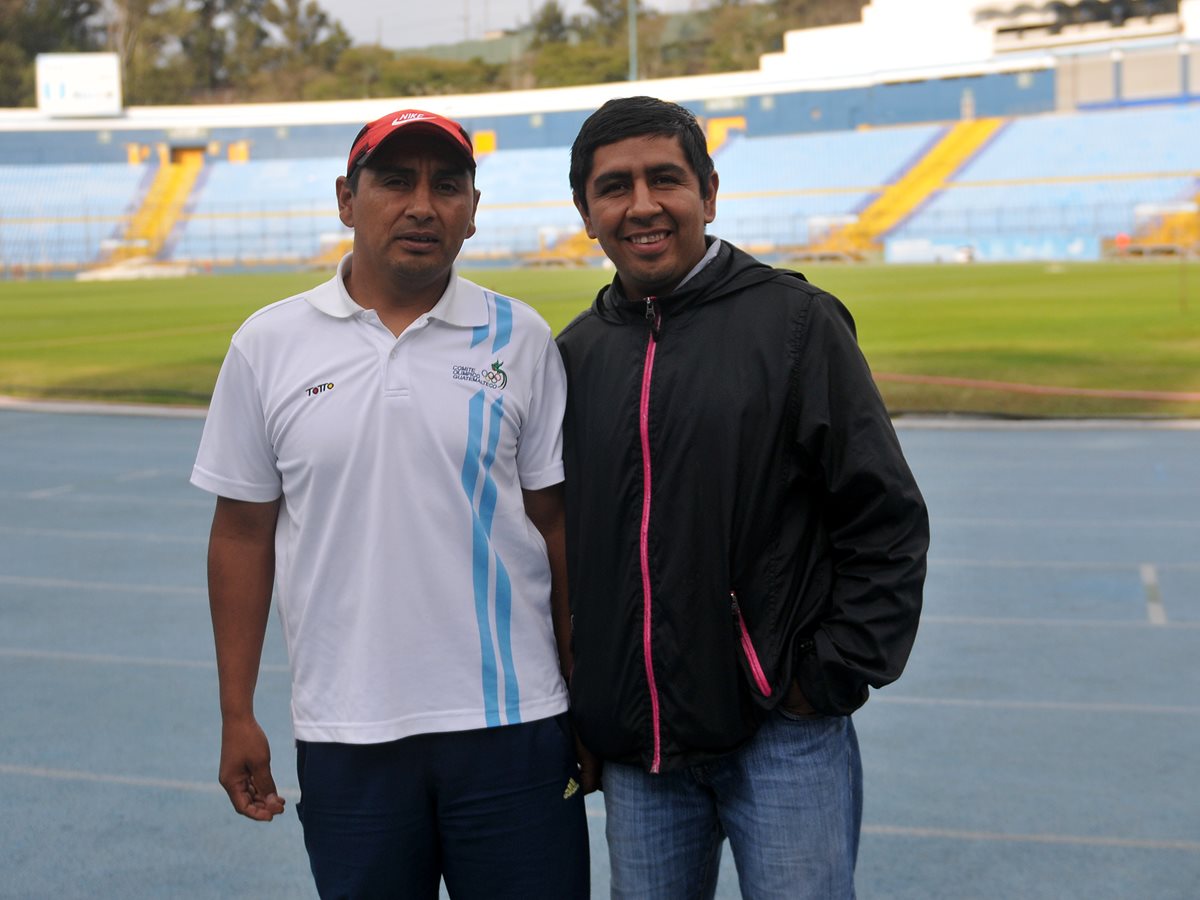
[419,23]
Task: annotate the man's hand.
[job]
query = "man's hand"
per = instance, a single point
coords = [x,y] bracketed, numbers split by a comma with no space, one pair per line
[590,766]
[246,770]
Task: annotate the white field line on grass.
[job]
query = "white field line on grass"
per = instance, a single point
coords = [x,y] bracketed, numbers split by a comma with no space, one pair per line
[936,423]
[19,404]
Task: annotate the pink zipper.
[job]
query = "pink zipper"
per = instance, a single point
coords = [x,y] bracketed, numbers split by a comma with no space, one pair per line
[760,677]
[644,536]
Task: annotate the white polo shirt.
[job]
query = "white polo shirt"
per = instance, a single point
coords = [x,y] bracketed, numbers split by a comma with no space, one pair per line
[413,590]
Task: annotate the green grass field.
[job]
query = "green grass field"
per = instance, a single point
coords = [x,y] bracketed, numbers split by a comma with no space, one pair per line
[1106,327]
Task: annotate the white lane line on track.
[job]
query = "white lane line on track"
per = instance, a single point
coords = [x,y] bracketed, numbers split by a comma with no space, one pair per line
[117,660]
[1037,705]
[111,499]
[139,475]
[122,536]
[45,493]
[292,794]
[983,423]
[1056,564]
[1156,613]
[954,492]
[26,581]
[170,784]
[1077,839]
[1122,524]
[1028,622]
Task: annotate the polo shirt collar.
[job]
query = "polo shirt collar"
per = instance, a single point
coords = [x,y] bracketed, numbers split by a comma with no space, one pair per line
[462,304]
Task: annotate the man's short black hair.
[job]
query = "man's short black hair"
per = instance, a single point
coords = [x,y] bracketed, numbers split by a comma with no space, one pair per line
[628,117]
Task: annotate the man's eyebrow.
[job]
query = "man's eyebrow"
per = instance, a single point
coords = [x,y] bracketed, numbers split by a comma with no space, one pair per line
[450,172]
[625,174]
[667,169]
[399,169]
[612,175]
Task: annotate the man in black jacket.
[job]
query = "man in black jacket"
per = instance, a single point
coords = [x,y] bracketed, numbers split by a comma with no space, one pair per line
[746,544]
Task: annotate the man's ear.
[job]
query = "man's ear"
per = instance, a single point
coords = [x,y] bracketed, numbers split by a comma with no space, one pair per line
[710,202]
[583,214]
[474,210]
[345,201]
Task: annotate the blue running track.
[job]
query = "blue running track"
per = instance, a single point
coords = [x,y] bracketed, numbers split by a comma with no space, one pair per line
[1044,742]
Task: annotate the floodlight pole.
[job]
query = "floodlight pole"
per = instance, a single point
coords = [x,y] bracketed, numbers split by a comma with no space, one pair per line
[631,25]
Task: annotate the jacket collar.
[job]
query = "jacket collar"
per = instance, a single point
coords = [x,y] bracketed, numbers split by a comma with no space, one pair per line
[723,270]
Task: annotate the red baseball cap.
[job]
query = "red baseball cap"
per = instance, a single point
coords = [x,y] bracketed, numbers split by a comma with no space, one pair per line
[410,121]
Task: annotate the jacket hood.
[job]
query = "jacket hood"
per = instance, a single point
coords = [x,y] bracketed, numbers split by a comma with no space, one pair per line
[730,271]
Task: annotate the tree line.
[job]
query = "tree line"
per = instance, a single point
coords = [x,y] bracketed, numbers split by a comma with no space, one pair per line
[225,51]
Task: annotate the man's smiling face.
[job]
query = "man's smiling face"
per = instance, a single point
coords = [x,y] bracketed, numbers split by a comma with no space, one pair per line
[645,206]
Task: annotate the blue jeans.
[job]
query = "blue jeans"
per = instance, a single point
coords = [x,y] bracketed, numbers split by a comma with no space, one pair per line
[790,802]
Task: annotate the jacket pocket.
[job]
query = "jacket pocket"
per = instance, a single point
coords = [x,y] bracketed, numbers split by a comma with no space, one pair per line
[743,634]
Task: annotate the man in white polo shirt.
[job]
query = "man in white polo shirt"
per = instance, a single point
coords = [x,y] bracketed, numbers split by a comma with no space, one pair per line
[386,449]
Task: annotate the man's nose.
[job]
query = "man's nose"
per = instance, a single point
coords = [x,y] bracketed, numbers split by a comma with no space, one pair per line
[420,202]
[644,204]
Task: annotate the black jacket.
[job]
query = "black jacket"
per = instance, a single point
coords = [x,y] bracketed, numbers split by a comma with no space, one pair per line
[783,534]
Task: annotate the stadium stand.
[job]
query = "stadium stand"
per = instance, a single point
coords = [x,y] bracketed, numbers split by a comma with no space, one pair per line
[780,192]
[525,205]
[1062,185]
[989,130]
[62,217]
[266,212]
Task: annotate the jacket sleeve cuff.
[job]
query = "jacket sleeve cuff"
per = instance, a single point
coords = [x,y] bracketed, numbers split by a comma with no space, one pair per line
[828,694]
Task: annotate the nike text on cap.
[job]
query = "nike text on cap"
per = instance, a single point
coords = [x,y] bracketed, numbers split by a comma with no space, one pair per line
[410,121]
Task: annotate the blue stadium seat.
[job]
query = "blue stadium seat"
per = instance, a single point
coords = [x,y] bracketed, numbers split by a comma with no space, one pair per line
[525,202]
[1059,177]
[1066,178]
[262,211]
[777,191]
[59,216]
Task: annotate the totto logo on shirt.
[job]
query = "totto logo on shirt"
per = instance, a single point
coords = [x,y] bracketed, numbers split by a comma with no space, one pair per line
[495,377]
[318,389]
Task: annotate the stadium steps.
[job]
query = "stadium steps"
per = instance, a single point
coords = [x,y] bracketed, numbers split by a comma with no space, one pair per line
[331,253]
[576,250]
[1174,232]
[901,198]
[152,223]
